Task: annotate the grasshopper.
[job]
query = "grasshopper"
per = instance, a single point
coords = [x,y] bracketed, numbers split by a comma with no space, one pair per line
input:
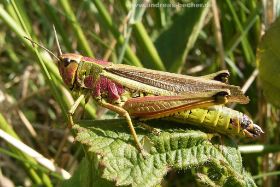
[143,93]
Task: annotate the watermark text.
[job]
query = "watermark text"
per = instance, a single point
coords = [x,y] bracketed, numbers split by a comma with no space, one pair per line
[171,5]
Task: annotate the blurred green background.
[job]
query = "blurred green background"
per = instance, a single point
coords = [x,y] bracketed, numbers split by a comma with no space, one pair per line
[171,36]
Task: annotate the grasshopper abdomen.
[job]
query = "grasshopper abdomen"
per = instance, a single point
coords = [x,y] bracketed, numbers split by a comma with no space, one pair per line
[219,119]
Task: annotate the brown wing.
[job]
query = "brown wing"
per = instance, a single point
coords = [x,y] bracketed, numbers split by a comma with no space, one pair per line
[151,107]
[176,83]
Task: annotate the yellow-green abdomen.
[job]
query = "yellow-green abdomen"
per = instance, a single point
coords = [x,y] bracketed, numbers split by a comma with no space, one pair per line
[220,119]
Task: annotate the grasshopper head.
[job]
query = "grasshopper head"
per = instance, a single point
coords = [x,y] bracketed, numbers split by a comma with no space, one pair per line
[67,63]
[68,66]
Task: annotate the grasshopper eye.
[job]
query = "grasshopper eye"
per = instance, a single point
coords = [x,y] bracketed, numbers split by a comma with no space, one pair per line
[66,61]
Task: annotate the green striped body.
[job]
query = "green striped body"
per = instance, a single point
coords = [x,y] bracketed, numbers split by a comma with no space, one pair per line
[219,119]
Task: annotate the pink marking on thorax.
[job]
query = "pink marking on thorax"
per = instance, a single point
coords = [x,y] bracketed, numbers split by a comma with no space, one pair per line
[103,84]
[109,88]
[89,82]
[89,59]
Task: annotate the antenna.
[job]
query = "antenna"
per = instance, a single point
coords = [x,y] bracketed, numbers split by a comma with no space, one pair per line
[57,43]
[33,42]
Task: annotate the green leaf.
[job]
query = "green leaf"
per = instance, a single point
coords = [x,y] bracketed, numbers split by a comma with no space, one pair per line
[175,42]
[218,173]
[231,154]
[113,155]
[268,60]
